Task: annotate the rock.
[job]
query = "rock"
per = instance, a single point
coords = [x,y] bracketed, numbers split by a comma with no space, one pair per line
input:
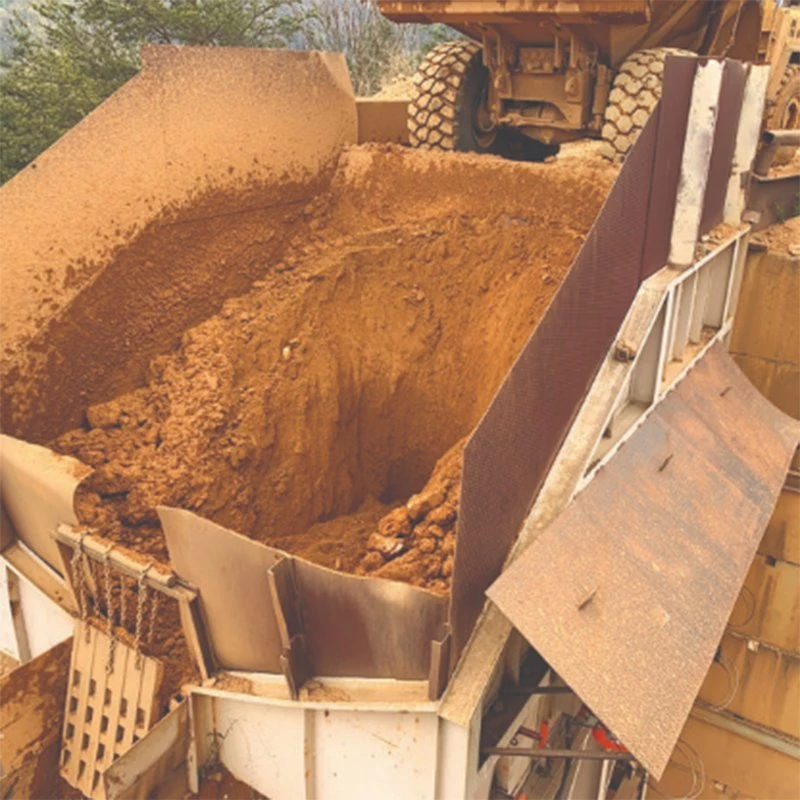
[430,530]
[109,480]
[405,568]
[432,566]
[137,512]
[419,505]
[396,523]
[447,567]
[371,561]
[386,545]
[449,544]
[443,514]
[104,415]
[426,545]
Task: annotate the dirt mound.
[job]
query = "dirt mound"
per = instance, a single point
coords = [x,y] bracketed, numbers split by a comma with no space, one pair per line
[311,408]
[399,89]
[784,237]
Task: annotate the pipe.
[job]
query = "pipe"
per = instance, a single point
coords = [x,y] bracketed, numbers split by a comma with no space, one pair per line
[782,138]
[590,755]
[772,140]
[602,789]
[517,690]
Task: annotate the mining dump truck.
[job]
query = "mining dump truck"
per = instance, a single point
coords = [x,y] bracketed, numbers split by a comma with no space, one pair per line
[558,70]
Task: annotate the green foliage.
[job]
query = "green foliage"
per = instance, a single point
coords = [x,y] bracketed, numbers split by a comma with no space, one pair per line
[64,57]
[70,56]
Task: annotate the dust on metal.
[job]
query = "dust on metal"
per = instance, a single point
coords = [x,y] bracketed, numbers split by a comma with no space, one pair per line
[666,543]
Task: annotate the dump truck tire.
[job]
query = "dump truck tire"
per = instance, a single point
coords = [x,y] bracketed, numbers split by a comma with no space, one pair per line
[634,93]
[446,93]
[783,110]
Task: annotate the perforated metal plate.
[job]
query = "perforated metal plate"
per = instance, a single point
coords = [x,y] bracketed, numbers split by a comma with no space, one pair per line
[106,713]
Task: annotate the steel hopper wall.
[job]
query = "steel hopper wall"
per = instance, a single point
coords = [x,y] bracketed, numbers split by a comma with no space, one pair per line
[267,611]
[195,124]
[507,458]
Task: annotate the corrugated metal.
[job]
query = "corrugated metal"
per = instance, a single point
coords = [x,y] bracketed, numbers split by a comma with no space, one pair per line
[509,453]
[627,594]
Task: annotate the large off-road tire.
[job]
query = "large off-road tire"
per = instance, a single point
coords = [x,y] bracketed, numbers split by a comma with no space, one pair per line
[634,93]
[447,99]
[782,111]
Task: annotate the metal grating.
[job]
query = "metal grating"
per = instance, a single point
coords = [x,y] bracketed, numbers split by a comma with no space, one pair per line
[106,712]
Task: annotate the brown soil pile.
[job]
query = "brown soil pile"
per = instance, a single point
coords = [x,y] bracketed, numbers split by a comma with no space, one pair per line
[309,409]
[781,238]
[399,89]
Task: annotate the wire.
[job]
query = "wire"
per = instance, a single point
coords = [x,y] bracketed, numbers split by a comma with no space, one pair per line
[733,681]
[748,591]
[697,767]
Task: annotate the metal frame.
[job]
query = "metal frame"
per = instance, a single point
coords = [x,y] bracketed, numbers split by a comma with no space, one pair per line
[661,358]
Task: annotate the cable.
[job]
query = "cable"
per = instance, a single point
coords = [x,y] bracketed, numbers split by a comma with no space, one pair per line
[697,767]
[748,591]
[733,681]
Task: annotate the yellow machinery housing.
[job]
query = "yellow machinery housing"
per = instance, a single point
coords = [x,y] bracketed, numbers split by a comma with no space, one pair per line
[558,70]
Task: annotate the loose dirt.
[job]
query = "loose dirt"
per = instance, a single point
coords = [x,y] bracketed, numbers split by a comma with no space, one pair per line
[399,89]
[783,237]
[310,412]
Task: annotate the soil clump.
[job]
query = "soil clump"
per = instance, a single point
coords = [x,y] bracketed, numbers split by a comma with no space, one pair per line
[310,411]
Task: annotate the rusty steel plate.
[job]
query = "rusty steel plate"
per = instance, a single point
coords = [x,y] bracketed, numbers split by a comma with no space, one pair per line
[510,451]
[627,593]
[367,627]
[352,626]
[734,76]
[676,97]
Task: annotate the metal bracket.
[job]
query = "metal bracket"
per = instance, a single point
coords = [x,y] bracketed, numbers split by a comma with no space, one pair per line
[294,658]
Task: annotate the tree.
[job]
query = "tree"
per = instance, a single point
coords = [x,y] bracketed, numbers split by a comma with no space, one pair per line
[375,48]
[71,55]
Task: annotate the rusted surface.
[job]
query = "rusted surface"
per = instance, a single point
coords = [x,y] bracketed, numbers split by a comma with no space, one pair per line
[32,698]
[351,626]
[676,97]
[508,455]
[367,627]
[660,541]
[731,93]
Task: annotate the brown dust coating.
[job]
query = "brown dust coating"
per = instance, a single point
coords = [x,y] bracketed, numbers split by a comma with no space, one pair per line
[194,123]
[320,400]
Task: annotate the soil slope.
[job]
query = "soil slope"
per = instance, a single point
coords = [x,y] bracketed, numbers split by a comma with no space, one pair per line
[311,408]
